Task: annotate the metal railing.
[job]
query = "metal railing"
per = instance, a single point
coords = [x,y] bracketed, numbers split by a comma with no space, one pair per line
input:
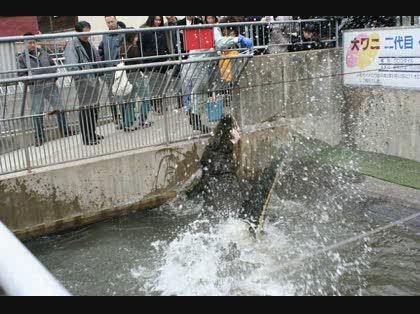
[21,274]
[153,49]
[82,111]
[81,114]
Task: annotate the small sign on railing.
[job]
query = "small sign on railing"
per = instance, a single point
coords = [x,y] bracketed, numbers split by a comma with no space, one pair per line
[202,38]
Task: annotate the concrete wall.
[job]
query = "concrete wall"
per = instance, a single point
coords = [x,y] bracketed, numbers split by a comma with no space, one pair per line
[305,87]
[61,197]
[383,120]
[56,198]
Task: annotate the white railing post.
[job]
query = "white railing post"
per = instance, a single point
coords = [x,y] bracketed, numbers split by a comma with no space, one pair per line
[21,274]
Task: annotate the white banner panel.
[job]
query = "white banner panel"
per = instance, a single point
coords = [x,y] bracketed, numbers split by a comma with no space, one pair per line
[382,57]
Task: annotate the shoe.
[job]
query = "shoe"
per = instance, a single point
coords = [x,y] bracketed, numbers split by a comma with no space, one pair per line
[205,130]
[38,143]
[92,143]
[131,129]
[99,137]
[69,133]
[146,125]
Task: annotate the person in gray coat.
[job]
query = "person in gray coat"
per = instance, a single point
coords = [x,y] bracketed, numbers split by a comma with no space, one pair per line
[40,62]
[109,50]
[78,52]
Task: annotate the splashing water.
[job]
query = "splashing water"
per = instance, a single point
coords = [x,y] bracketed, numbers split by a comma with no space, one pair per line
[223,259]
[220,259]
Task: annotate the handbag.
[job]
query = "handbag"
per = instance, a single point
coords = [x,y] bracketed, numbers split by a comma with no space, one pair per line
[122,86]
[214,108]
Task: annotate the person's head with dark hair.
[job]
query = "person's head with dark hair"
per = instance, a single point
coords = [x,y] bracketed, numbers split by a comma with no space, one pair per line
[121,24]
[111,22]
[130,40]
[30,43]
[309,31]
[172,20]
[211,19]
[83,27]
[155,21]
[230,31]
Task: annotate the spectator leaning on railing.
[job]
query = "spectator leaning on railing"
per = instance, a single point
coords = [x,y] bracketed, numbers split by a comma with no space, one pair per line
[308,40]
[139,82]
[42,90]
[195,76]
[154,44]
[280,36]
[80,50]
[171,37]
[109,50]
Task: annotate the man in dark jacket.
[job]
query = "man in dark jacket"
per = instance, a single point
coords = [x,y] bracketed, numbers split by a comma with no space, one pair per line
[309,40]
[172,35]
[81,51]
[40,62]
[190,20]
[109,50]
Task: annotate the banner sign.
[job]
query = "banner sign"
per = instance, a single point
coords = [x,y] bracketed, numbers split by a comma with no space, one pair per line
[383,57]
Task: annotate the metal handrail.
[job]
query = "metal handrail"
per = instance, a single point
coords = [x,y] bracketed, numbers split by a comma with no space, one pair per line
[125,67]
[151,29]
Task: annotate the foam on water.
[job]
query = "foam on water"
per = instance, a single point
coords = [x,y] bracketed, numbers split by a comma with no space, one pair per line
[207,258]
[219,259]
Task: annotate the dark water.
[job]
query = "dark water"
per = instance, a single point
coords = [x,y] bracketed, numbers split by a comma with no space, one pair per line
[171,251]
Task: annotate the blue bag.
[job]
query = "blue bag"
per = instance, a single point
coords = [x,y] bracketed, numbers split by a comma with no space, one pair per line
[215,109]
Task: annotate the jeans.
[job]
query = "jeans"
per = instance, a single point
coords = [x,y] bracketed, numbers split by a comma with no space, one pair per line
[142,92]
[127,105]
[39,93]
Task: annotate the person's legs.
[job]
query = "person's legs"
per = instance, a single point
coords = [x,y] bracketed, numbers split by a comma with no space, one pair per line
[37,109]
[128,115]
[56,103]
[199,98]
[88,115]
[143,93]
[94,104]
[109,78]
[83,125]
[81,91]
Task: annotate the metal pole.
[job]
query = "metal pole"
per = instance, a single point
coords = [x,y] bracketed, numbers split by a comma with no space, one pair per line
[25,145]
[178,44]
[21,274]
[25,92]
[23,128]
[27,59]
[337,33]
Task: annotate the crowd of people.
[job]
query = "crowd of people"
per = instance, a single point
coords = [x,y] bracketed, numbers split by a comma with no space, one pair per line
[132,48]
